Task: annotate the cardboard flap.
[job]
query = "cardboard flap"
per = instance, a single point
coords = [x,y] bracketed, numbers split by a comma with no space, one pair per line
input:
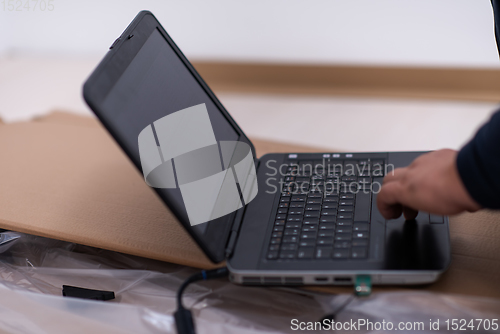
[73,183]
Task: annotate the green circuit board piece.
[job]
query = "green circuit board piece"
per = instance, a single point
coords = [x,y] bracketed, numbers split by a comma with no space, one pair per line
[363,285]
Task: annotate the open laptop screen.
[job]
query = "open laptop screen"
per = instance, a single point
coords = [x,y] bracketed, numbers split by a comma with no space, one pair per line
[175,133]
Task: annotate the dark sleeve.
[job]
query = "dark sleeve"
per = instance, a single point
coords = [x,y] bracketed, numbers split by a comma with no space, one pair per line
[478,162]
[496,15]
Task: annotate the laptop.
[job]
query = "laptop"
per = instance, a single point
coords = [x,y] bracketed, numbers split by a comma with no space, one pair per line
[282,219]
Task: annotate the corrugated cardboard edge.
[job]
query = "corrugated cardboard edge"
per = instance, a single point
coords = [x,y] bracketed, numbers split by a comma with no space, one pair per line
[68,118]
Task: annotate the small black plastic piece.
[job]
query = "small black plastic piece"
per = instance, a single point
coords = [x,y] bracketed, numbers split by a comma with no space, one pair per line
[77,292]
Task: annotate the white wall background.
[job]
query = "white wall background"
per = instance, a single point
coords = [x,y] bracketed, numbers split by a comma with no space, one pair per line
[45,56]
[387,32]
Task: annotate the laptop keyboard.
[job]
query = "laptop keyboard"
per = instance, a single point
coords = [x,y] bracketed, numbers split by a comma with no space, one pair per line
[324,210]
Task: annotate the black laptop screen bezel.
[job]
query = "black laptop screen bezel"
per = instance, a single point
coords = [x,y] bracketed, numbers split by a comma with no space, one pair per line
[109,71]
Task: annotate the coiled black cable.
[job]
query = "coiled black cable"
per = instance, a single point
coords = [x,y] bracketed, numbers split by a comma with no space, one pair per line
[183,317]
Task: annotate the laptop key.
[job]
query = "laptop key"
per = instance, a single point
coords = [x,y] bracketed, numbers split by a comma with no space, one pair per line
[346,202]
[344,215]
[310,221]
[332,180]
[343,236]
[298,198]
[309,228]
[278,228]
[344,208]
[344,222]
[277,235]
[329,205]
[365,180]
[275,241]
[296,204]
[289,247]
[326,233]
[329,212]
[287,254]
[327,226]
[311,214]
[346,196]
[294,218]
[274,247]
[296,211]
[303,188]
[292,225]
[340,253]
[360,235]
[285,199]
[305,253]
[361,227]
[280,216]
[284,205]
[272,255]
[323,252]
[343,229]
[314,200]
[307,243]
[363,206]
[313,207]
[342,244]
[358,252]
[328,219]
[279,223]
[360,242]
[292,231]
[308,235]
[325,241]
[290,238]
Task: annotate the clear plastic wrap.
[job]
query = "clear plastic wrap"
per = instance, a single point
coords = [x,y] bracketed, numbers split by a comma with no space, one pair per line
[33,270]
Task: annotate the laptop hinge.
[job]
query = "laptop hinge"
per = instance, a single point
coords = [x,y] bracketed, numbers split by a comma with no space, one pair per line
[235,228]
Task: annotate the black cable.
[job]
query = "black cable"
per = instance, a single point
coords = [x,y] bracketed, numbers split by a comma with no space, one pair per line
[332,316]
[183,317]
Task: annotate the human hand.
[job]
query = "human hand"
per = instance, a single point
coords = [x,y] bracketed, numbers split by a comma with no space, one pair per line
[431,183]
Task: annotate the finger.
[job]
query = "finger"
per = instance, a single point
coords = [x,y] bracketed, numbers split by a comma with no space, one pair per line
[388,202]
[409,213]
[395,175]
